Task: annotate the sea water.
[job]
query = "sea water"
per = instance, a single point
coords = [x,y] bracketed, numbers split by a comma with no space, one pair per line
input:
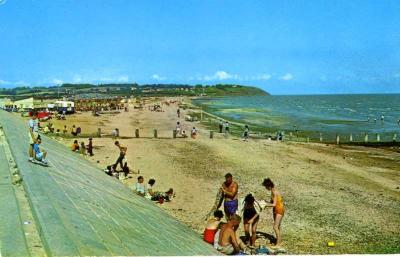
[343,114]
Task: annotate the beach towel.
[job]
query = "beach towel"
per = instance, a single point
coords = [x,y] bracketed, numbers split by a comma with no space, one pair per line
[218,202]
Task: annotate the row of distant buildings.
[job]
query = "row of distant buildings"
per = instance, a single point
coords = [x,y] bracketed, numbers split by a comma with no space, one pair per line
[36,104]
[79,103]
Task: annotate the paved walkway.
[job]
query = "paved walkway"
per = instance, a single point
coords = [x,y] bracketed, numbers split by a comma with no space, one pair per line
[81,211]
[12,237]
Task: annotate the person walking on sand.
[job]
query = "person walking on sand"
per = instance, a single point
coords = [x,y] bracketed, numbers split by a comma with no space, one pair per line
[122,153]
[226,127]
[90,147]
[230,190]
[278,209]
[246,133]
[220,126]
[178,128]
[178,112]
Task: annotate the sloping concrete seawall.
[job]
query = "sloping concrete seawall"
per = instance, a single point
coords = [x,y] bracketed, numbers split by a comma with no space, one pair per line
[81,211]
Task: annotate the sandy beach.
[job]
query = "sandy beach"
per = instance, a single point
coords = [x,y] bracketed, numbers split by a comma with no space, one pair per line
[346,194]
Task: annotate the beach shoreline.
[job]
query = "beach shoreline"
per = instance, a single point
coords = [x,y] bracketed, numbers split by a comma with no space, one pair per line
[330,191]
[314,117]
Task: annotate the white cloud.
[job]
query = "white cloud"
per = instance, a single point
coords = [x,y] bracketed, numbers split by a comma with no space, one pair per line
[123,78]
[22,83]
[158,77]
[287,76]
[77,79]
[263,77]
[105,79]
[3,82]
[57,81]
[221,75]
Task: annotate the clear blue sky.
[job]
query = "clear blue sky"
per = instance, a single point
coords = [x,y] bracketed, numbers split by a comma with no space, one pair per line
[284,47]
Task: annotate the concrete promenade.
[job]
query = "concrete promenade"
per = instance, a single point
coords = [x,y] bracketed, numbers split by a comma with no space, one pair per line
[79,210]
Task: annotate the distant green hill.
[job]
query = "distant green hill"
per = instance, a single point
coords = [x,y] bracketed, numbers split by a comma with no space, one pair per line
[233,90]
[82,90]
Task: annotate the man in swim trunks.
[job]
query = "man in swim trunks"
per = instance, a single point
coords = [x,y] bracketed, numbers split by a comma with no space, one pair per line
[122,152]
[228,243]
[230,190]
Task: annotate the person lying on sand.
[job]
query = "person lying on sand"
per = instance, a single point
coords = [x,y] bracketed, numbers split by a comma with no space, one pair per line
[212,226]
[111,171]
[163,196]
[278,209]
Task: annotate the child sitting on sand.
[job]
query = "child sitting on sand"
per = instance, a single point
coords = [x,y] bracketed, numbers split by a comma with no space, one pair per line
[184,134]
[82,149]
[212,226]
[194,133]
[75,146]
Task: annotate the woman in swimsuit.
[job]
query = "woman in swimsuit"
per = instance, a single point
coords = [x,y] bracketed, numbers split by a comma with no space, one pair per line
[212,226]
[250,212]
[278,208]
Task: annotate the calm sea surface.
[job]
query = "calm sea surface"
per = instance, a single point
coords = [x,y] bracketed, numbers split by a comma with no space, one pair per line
[322,113]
